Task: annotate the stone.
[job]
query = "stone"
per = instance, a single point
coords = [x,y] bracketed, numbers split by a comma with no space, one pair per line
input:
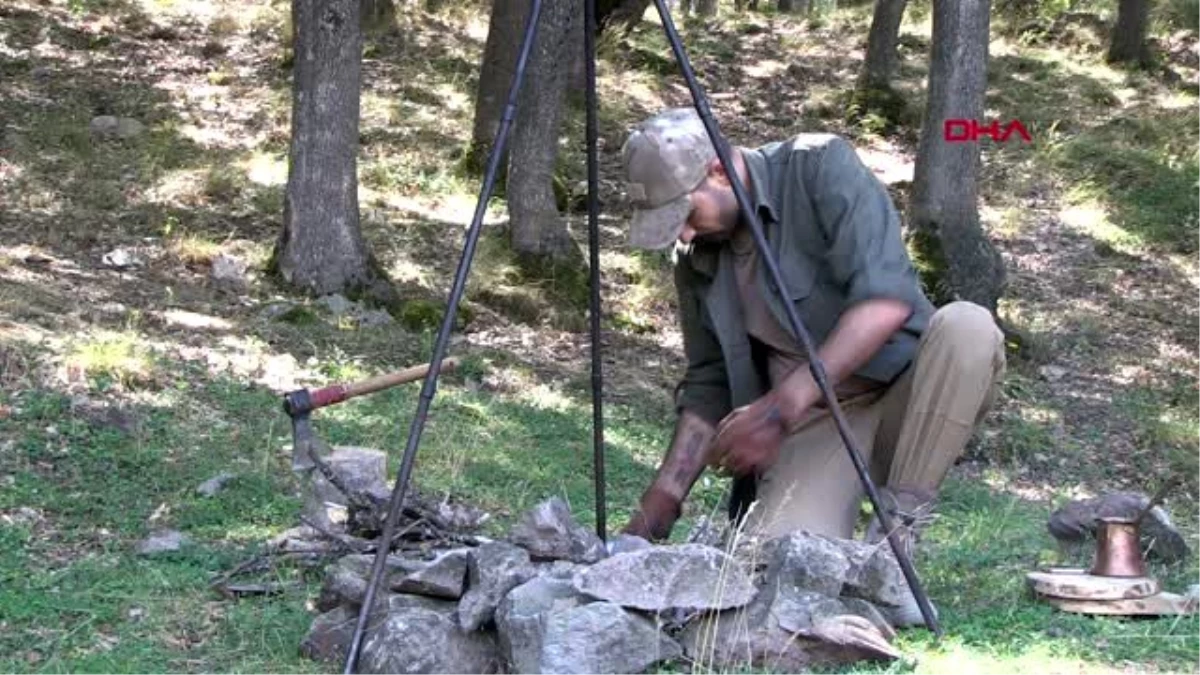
[871,613]
[657,579]
[809,561]
[626,543]
[493,570]
[369,318]
[421,636]
[128,128]
[103,125]
[443,577]
[874,575]
[108,126]
[345,582]
[337,304]
[601,637]
[549,531]
[797,621]
[162,541]
[362,469]
[329,635]
[228,270]
[121,259]
[520,619]
[559,569]
[786,629]
[212,486]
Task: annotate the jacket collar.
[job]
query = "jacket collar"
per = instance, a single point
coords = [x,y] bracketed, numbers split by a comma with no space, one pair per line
[704,257]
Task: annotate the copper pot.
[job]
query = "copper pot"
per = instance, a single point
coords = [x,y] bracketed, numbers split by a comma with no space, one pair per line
[1118,548]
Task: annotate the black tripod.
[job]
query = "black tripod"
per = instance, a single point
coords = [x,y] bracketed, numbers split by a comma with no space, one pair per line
[429,388]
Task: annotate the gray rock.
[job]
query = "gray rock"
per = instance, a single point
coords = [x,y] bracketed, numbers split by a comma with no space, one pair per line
[362,469]
[369,318]
[162,541]
[549,532]
[228,270]
[871,613]
[345,582]
[421,636]
[808,561]
[103,125]
[329,635]
[337,304]
[797,620]
[493,570]
[660,578]
[626,543]
[837,567]
[443,577]
[128,128]
[520,619]
[602,638]
[788,629]
[212,486]
[559,569]
[108,126]
[121,259]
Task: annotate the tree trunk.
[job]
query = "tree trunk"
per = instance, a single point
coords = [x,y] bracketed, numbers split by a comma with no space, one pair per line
[706,7]
[505,30]
[955,258]
[1129,34]
[537,228]
[321,249]
[880,61]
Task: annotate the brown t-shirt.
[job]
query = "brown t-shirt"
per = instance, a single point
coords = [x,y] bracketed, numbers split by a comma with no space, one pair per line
[784,351]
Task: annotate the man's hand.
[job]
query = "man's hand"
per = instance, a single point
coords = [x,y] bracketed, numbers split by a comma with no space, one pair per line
[749,439]
[656,515]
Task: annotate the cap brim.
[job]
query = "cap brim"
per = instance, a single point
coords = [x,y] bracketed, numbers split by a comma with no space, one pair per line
[658,228]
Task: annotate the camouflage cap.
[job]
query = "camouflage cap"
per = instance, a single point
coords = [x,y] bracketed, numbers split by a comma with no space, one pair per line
[665,158]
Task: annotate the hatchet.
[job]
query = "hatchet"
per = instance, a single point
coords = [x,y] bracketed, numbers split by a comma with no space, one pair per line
[299,405]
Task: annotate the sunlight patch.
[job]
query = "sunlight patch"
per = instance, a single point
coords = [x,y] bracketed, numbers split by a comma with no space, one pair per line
[543,397]
[1091,218]
[266,169]
[953,659]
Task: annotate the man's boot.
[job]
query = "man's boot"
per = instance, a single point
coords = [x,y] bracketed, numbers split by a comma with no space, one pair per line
[911,510]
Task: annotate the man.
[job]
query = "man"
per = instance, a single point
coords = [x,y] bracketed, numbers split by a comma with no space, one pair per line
[912,381]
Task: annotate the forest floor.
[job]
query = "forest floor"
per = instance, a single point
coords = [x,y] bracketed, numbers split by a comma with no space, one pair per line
[128,376]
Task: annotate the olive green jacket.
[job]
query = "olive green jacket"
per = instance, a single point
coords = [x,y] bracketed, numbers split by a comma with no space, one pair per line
[835,232]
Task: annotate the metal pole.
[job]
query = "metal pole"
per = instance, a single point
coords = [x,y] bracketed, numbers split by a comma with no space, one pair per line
[429,388]
[593,172]
[814,361]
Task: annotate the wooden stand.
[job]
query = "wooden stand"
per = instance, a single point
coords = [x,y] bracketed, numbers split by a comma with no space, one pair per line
[1075,590]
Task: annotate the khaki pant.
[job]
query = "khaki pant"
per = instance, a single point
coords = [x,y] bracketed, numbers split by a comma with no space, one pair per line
[910,435]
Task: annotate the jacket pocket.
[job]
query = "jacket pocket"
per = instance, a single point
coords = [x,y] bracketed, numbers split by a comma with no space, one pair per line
[799,276]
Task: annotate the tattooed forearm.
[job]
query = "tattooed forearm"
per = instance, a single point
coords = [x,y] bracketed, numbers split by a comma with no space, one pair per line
[687,456]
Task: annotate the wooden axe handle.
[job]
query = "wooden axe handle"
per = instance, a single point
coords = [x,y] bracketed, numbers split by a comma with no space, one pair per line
[374,384]
[340,392]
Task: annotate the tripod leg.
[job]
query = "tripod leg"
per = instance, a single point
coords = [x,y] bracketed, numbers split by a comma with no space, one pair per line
[797,326]
[593,171]
[429,388]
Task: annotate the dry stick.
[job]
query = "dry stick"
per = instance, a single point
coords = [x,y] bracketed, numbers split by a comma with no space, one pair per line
[342,541]
[261,561]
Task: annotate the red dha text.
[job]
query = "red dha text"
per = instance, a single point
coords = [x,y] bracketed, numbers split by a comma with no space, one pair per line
[961,131]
